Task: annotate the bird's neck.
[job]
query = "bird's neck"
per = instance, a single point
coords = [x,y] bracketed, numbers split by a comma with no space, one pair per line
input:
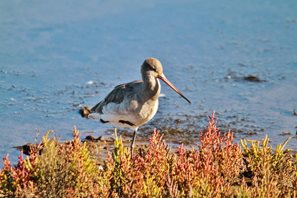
[152,87]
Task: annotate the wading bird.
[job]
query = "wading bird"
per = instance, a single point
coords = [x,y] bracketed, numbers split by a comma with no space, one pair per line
[133,104]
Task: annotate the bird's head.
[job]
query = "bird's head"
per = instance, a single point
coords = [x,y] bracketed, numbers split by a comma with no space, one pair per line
[153,67]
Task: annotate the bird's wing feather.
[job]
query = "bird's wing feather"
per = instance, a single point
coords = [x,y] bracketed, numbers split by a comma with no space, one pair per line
[117,95]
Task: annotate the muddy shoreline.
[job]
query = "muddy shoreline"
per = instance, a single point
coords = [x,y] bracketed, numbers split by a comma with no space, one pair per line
[240,63]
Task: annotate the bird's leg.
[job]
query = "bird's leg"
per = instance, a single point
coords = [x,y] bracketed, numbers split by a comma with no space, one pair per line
[133,142]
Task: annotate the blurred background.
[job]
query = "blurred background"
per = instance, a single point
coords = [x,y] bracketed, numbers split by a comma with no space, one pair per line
[237,58]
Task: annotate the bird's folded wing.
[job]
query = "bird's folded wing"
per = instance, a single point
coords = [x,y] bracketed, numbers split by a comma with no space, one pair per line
[117,95]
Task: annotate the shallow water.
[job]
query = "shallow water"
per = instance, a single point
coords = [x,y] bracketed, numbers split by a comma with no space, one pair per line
[56,56]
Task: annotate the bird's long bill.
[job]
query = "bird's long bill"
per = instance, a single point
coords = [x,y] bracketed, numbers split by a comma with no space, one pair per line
[163,77]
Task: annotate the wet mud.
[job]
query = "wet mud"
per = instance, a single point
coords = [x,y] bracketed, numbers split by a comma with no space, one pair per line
[239,63]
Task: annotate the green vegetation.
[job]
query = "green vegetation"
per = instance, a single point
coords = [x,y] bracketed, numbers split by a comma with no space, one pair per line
[218,167]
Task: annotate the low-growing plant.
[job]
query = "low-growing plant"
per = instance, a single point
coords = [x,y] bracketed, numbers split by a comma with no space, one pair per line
[273,171]
[216,167]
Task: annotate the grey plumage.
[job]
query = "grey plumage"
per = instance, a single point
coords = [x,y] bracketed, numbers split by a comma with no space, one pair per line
[133,104]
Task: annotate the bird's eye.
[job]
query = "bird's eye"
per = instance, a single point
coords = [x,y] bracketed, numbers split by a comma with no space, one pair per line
[154,69]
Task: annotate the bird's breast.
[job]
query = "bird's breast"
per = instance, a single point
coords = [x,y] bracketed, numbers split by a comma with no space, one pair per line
[148,110]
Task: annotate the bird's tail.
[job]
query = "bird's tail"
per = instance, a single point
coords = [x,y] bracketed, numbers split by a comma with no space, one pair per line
[85,112]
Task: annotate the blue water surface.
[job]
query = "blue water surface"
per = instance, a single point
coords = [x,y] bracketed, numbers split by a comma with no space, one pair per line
[56,56]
